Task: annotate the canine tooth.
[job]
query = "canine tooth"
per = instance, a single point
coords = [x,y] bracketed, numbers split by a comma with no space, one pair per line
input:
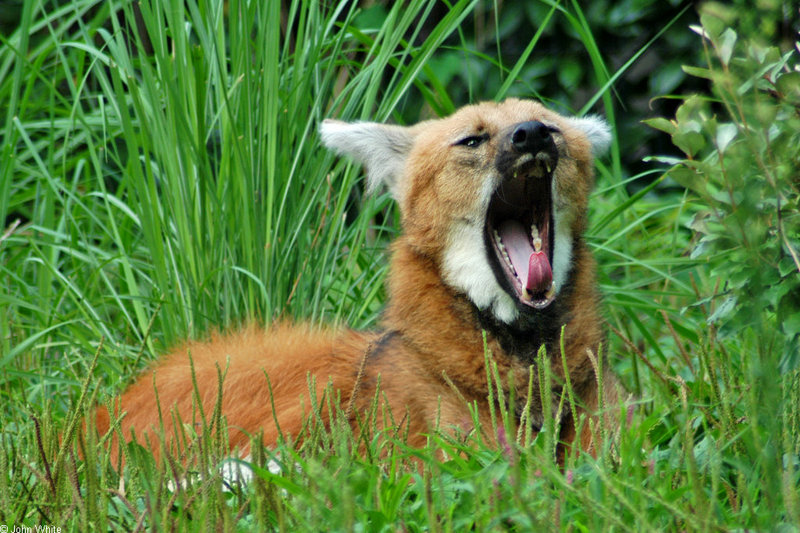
[551,291]
[537,241]
[547,166]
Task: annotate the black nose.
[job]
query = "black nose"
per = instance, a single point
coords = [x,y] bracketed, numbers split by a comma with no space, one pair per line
[531,137]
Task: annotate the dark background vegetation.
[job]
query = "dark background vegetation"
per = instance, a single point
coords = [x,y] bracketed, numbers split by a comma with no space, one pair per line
[556,72]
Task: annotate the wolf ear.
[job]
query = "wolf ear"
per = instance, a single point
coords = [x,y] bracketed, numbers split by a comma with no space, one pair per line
[381,148]
[596,130]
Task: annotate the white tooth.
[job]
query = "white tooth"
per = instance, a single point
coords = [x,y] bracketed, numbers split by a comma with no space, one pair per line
[537,241]
[547,166]
[503,250]
[526,295]
[500,245]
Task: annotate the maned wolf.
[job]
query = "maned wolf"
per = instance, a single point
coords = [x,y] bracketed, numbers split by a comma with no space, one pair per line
[493,202]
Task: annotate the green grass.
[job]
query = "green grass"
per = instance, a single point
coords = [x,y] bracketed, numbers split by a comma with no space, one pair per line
[160,176]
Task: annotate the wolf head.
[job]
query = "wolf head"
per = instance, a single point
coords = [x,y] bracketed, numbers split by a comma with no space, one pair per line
[496,194]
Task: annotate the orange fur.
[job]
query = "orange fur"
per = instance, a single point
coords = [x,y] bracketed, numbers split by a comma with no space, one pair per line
[429,354]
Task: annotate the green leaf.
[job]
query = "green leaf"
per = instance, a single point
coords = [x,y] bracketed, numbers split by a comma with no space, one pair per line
[791,324]
[687,177]
[662,124]
[725,45]
[698,72]
[712,25]
[788,86]
[725,134]
[723,310]
[703,248]
[787,266]
[689,111]
[699,222]
[690,142]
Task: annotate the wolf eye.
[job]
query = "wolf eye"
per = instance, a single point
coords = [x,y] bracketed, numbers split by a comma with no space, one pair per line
[473,141]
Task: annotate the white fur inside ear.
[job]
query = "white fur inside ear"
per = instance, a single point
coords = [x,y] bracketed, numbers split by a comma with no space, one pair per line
[596,130]
[381,148]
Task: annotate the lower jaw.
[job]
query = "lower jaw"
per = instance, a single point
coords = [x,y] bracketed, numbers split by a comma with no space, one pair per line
[538,301]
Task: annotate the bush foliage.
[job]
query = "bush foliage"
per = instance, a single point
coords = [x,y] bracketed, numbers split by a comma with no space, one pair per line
[742,165]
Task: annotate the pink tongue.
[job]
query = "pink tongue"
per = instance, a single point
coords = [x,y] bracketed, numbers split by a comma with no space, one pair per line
[540,274]
[533,268]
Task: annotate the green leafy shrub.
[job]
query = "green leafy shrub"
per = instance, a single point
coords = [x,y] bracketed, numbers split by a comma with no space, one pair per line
[743,165]
[741,172]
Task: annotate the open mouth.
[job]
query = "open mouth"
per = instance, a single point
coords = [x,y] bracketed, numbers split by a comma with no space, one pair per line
[519,225]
